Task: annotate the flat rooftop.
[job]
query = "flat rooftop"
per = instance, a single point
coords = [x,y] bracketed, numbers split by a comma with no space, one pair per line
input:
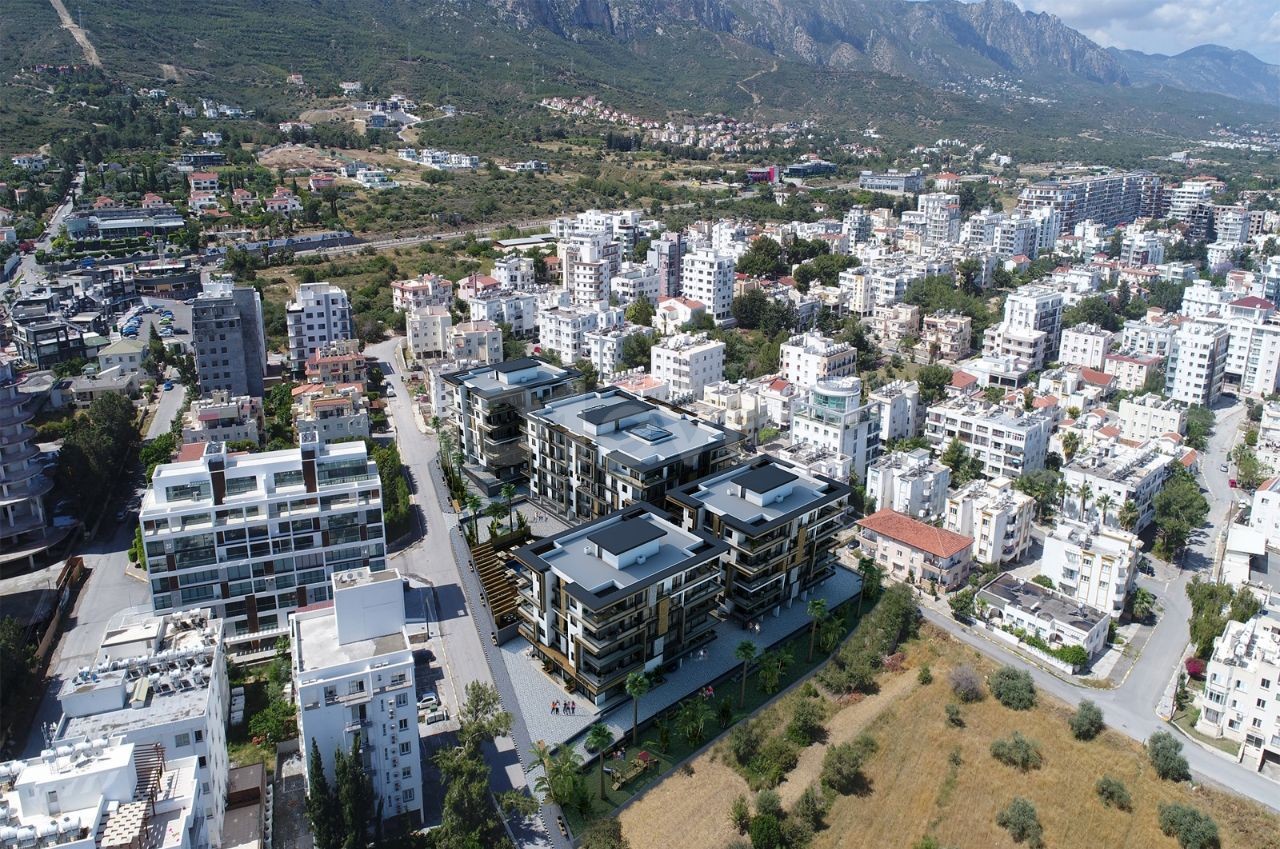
[1010,591]
[509,375]
[318,645]
[758,494]
[631,429]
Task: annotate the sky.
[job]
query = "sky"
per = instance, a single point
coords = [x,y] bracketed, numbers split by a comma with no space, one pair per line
[1171,26]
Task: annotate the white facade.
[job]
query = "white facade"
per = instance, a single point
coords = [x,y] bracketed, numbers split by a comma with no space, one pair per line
[588,261]
[1202,298]
[478,341]
[418,292]
[1149,416]
[832,416]
[687,363]
[900,411]
[808,358]
[222,418]
[127,354]
[353,675]
[707,277]
[518,309]
[941,213]
[514,272]
[996,515]
[1111,474]
[565,330]
[1009,443]
[1086,345]
[332,413]
[318,315]
[604,347]
[1059,620]
[909,482]
[1036,308]
[1096,566]
[1197,363]
[1241,698]
[635,281]
[428,332]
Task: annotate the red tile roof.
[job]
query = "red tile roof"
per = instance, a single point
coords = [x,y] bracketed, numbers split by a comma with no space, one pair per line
[1097,378]
[1109,430]
[1254,302]
[1044,401]
[962,379]
[918,535]
[1189,459]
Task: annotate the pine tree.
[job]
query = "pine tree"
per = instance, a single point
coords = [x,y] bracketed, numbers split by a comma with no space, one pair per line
[322,809]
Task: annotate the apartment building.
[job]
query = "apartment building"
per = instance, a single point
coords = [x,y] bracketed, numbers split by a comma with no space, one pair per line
[319,314]
[687,363]
[666,256]
[480,341]
[674,313]
[1150,335]
[228,339]
[1008,442]
[125,353]
[426,290]
[997,517]
[808,358]
[1185,198]
[635,281]
[252,536]
[1012,603]
[632,591]
[334,412]
[900,411]
[1086,345]
[588,262]
[1095,566]
[353,679]
[158,682]
[1111,474]
[1241,697]
[564,330]
[832,416]
[1150,416]
[514,272]
[1026,345]
[947,336]
[488,404]
[737,406]
[907,549]
[892,181]
[891,325]
[22,482]
[1253,349]
[427,329]
[598,452]
[223,418]
[103,793]
[1027,233]
[779,523]
[1107,199]
[605,347]
[517,309]
[909,482]
[941,213]
[706,276]
[1197,363]
[1132,371]
[338,362]
[1036,307]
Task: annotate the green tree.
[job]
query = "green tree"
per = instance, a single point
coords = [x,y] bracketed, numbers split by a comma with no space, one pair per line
[1022,823]
[590,378]
[355,796]
[1128,516]
[933,381]
[962,604]
[1200,421]
[637,685]
[1113,793]
[1180,508]
[604,833]
[640,312]
[1094,309]
[17,657]
[694,716]
[1165,753]
[509,495]
[773,664]
[1070,444]
[745,651]
[635,350]
[323,813]
[817,611]
[1042,485]
[599,738]
[1193,828]
[1013,688]
[1018,752]
[763,259]
[843,762]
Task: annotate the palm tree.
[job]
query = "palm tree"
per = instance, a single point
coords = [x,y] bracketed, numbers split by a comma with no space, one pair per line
[830,633]
[1070,444]
[871,578]
[1086,493]
[817,610]
[1128,517]
[542,753]
[772,666]
[599,738]
[693,717]
[745,652]
[559,780]
[1069,492]
[508,495]
[1104,503]
[474,504]
[637,685]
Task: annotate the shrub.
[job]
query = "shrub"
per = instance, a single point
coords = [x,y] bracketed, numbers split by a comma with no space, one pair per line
[1165,754]
[740,814]
[925,675]
[894,618]
[1017,751]
[776,758]
[1013,688]
[744,742]
[768,803]
[812,806]
[966,684]
[842,765]
[806,723]
[1193,828]
[1020,820]
[796,832]
[1195,668]
[766,832]
[953,715]
[1086,723]
[1113,793]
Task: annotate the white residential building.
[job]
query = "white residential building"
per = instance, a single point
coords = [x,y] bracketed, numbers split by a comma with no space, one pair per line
[564,330]
[103,793]
[318,315]
[222,418]
[941,214]
[831,415]
[1059,620]
[1132,371]
[424,291]
[1096,566]
[158,681]
[1008,442]
[1111,474]
[996,515]
[737,406]
[633,282]
[687,363]
[1184,198]
[811,357]
[1149,416]
[1027,233]
[305,511]
[517,309]
[900,412]
[604,347]
[353,678]
[1197,363]
[428,332]
[1151,335]
[1036,307]
[125,353]
[588,261]
[1086,345]
[907,549]
[331,413]
[706,276]
[1139,249]
[910,482]
[1241,697]
[476,341]
[947,336]
[514,272]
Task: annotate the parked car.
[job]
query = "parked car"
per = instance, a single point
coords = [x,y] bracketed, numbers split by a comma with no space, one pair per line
[168,384]
[429,701]
[1224,467]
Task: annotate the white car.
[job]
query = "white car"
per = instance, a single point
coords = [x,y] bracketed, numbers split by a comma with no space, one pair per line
[429,701]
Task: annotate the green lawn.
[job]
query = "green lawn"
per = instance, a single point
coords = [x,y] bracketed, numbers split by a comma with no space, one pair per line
[241,748]
[1186,720]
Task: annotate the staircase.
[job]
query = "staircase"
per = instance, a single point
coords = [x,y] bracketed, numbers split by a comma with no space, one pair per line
[498,585]
[148,762]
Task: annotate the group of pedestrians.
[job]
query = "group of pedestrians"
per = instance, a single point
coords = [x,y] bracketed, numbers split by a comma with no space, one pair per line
[569,708]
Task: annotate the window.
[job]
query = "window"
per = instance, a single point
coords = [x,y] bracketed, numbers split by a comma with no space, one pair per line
[404,725]
[181,741]
[406,772]
[406,748]
[1262,703]
[407,795]
[402,700]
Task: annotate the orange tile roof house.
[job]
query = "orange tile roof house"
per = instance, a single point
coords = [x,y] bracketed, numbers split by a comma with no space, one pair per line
[906,548]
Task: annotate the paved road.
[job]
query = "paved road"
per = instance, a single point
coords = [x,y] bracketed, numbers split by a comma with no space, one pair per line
[442,560]
[170,403]
[28,270]
[1131,706]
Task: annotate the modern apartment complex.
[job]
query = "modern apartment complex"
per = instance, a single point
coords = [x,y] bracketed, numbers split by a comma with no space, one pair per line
[1241,698]
[1086,345]
[833,416]
[631,591]
[253,536]
[899,409]
[599,452]
[229,340]
[1149,416]
[353,678]
[779,523]
[487,405]
[318,315]
[687,363]
[1107,199]
[1197,363]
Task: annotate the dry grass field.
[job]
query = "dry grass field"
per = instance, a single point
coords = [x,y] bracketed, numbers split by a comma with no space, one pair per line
[915,789]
